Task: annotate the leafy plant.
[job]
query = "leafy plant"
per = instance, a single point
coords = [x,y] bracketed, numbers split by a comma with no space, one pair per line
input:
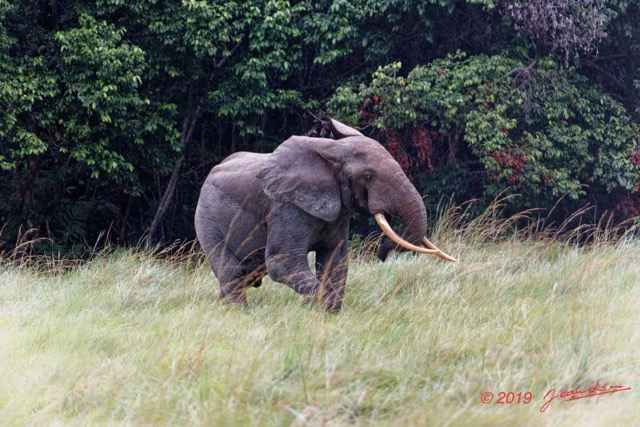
[535,129]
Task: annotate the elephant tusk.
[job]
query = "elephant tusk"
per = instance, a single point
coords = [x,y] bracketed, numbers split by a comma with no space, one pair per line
[386,229]
[441,254]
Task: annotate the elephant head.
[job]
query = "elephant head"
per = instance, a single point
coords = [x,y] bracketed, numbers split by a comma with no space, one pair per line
[325,176]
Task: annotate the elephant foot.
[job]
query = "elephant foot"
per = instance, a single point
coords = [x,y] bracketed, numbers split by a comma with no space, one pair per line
[332,305]
[309,290]
[236,296]
[308,299]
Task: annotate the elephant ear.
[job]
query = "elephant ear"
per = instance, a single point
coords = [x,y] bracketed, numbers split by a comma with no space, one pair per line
[340,130]
[299,172]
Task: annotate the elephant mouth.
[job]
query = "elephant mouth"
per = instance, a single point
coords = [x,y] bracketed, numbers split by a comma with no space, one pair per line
[432,249]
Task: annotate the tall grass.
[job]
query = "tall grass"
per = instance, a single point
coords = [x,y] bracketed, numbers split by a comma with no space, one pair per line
[134,339]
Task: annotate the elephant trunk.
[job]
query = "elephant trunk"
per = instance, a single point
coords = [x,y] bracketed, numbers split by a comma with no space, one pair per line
[408,206]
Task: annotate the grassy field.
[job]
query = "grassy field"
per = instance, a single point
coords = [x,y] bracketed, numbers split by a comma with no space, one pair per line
[128,339]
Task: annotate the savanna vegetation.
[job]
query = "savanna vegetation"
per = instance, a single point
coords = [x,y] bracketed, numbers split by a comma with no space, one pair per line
[112,112]
[131,339]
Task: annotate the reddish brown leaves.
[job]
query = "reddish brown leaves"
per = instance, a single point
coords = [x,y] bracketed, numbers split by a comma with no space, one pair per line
[513,160]
[395,148]
[422,140]
[422,143]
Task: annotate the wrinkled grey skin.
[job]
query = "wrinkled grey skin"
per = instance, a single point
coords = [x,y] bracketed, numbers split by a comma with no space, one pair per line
[262,214]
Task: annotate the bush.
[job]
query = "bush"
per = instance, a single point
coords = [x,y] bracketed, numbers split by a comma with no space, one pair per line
[485,125]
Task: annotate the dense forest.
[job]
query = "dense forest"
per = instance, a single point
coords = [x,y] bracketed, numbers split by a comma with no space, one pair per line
[112,112]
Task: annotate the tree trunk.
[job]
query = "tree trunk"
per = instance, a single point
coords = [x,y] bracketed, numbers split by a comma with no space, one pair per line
[169,192]
[187,131]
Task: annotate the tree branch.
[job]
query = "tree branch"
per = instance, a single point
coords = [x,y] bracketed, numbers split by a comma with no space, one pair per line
[219,64]
[612,78]
[169,192]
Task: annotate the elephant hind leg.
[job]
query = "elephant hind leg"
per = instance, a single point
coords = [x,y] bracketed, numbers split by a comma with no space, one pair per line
[233,292]
[235,289]
[228,270]
[254,278]
[235,278]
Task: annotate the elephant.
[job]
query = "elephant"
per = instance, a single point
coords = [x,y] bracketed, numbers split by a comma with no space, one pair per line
[261,214]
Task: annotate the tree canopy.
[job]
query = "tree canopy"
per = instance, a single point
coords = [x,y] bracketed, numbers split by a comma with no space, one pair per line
[114,111]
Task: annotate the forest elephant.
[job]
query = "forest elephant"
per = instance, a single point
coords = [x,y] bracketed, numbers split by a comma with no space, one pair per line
[262,214]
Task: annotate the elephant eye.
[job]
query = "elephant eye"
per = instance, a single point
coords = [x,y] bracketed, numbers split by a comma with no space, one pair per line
[368,176]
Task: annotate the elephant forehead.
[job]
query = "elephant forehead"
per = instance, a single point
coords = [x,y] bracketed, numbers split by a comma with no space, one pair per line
[365,147]
[376,159]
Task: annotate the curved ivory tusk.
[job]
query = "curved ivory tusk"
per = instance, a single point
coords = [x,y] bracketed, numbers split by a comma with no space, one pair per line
[386,229]
[441,254]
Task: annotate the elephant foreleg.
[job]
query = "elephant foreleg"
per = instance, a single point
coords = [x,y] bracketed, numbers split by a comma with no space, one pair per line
[293,271]
[332,267]
[289,238]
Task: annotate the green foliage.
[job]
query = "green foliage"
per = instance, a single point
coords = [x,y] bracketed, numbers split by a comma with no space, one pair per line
[227,57]
[102,102]
[537,129]
[100,75]
[24,83]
